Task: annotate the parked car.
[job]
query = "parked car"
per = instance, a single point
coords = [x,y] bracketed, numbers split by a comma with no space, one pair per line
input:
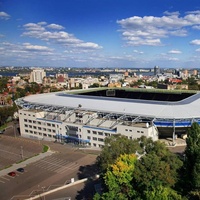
[2,131]
[13,174]
[20,169]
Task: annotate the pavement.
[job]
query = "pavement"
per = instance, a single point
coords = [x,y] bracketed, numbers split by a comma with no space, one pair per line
[25,163]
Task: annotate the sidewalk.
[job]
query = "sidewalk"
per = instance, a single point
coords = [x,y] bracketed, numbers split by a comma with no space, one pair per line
[24,163]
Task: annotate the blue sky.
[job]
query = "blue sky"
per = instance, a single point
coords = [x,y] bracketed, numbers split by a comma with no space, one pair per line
[100,33]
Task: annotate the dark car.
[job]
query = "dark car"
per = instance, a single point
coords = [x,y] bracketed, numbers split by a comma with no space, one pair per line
[13,174]
[20,169]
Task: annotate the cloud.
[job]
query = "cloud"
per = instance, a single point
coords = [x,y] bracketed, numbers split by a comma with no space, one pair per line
[173,59]
[4,15]
[174,52]
[52,33]
[195,42]
[30,47]
[55,26]
[149,30]
[25,50]
[139,52]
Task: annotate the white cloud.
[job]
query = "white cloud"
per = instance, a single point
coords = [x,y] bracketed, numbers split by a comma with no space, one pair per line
[30,47]
[139,52]
[34,27]
[55,26]
[173,59]
[52,33]
[195,42]
[174,52]
[4,15]
[149,30]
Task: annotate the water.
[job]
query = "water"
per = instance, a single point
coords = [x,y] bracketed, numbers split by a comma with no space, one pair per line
[76,74]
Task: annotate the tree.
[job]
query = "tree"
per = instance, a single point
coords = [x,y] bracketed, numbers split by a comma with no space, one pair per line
[113,148]
[118,178]
[156,167]
[153,170]
[192,159]
[162,193]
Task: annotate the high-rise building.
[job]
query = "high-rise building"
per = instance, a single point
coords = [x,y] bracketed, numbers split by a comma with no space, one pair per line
[37,75]
[156,70]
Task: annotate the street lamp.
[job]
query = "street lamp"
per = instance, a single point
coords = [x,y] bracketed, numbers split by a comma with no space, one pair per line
[43,191]
[22,152]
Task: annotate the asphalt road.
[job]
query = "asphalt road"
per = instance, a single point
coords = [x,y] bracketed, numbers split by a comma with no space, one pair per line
[47,173]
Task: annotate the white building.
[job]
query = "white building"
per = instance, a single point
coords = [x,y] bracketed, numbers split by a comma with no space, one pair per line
[37,75]
[88,116]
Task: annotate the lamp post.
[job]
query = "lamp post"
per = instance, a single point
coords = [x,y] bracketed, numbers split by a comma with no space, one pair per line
[43,191]
[22,152]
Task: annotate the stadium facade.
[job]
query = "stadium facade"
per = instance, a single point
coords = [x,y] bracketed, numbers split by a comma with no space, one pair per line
[88,116]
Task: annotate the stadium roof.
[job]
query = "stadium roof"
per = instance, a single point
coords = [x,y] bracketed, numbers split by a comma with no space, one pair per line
[184,109]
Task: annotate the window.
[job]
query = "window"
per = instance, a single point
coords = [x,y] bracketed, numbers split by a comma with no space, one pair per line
[39,128]
[30,126]
[44,129]
[25,120]
[53,131]
[45,134]
[88,131]
[126,129]
[39,123]
[94,145]
[94,132]
[100,133]
[142,131]
[30,121]
[130,130]
[48,124]
[94,138]
[107,134]
[100,139]
[34,127]
[53,125]
[138,131]
[88,137]
[26,125]
[26,130]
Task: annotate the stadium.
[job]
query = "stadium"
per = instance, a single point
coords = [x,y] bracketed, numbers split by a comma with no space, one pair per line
[88,116]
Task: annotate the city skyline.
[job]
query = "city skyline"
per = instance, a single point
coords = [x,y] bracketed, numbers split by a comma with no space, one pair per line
[91,33]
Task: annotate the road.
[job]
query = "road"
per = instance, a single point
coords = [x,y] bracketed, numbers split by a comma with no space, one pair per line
[67,162]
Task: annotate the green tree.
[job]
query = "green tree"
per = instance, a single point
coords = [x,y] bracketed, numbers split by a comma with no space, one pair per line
[118,178]
[113,148]
[162,193]
[153,170]
[192,159]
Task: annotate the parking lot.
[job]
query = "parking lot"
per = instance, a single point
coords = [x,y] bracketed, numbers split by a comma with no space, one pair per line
[50,172]
[14,150]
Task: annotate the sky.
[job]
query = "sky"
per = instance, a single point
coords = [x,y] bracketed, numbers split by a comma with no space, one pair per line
[100,33]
